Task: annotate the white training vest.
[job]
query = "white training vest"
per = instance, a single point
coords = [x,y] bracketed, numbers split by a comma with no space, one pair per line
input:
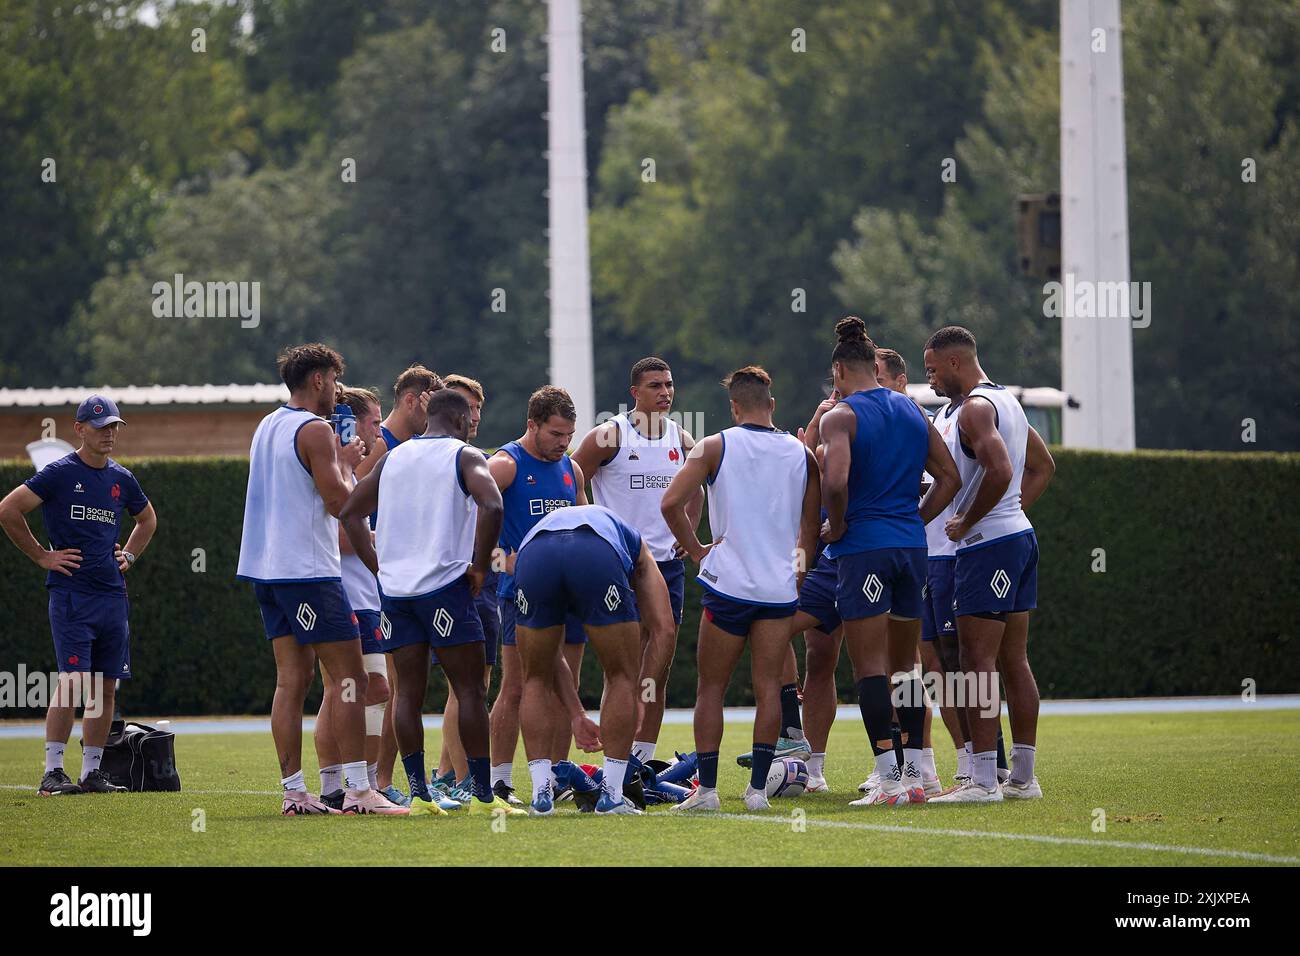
[755,506]
[1006,517]
[288,535]
[937,543]
[424,534]
[632,485]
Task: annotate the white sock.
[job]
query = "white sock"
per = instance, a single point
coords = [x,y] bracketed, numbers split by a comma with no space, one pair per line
[615,772]
[501,772]
[372,772]
[1022,762]
[296,782]
[928,770]
[643,750]
[817,765]
[331,778]
[887,766]
[963,762]
[54,755]
[354,774]
[984,769]
[90,758]
[543,776]
[912,764]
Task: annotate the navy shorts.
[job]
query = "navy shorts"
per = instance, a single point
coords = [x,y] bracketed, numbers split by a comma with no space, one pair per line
[735,617]
[489,616]
[936,613]
[999,577]
[571,573]
[886,580]
[90,632]
[817,597]
[314,612]
[371,632]
[446,617]
[508,612]
[674,573]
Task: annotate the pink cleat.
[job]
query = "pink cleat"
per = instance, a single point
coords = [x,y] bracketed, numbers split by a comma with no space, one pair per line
[371,801]
[300,803]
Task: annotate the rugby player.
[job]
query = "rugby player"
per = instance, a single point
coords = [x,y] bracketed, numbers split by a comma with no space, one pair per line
[585,561]
[297,482]
[631,458]
[82,497]
[764,492]
[535,476]
[408,417]
[1004,466]
[439,519]
[877,442]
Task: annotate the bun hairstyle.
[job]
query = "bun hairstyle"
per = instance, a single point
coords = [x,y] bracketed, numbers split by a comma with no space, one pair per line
[853,346]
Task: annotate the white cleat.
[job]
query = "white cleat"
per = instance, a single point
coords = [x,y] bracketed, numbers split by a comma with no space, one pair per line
[756,799]
[891,793]
[817,785]
[1022,791]
[702,800]
[871,783]
[970,792]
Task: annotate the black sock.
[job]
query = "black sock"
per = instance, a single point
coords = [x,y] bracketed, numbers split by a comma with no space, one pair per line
[873,701]
[1002,752]
[709,769]
[763,754]
[896,735]
[790,719]
[911,718]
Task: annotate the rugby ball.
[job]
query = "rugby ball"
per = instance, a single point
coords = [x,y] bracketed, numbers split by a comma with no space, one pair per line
[787,777]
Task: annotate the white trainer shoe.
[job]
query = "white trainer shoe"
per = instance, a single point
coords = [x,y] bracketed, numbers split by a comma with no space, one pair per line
[891,793]
[701,800]
[970,792]
[756,799]
[1022,791]
[817,785]
[932,787]
[871,783]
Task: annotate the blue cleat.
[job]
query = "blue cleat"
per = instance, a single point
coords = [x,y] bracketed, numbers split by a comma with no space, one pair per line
[393,795]
[542,805]
[607,807]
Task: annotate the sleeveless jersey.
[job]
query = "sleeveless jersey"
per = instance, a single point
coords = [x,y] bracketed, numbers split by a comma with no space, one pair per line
[755,506]
[425,533]
[539,488]
[619,534]
[633,483]
[888,455]
[288,535]
[1006,517]
[938,544]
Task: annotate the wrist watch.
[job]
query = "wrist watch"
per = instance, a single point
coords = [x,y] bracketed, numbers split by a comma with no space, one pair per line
[130,558]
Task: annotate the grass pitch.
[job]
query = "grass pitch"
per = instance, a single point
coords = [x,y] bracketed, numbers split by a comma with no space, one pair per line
[1175,790]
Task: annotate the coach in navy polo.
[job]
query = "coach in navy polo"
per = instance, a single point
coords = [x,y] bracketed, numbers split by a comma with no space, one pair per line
[82,497]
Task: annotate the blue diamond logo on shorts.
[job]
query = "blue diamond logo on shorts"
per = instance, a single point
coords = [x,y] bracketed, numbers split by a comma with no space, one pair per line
[872,588]
[612,598]
[306,616]
[442,622]
[1000,583]
[521,602]
[385,626]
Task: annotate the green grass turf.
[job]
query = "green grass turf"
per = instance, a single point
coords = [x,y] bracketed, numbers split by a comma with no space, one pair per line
[1223,781]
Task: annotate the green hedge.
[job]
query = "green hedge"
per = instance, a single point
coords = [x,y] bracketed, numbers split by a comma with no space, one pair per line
[1200,590]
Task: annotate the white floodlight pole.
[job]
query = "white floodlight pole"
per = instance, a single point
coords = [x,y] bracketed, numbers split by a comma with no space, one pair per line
[572,365]
[1096,353]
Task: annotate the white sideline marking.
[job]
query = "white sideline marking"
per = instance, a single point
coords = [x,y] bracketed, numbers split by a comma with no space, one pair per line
[888,828]
[1029,837]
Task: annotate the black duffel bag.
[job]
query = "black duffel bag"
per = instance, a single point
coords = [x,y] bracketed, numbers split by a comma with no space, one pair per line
[140,757]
